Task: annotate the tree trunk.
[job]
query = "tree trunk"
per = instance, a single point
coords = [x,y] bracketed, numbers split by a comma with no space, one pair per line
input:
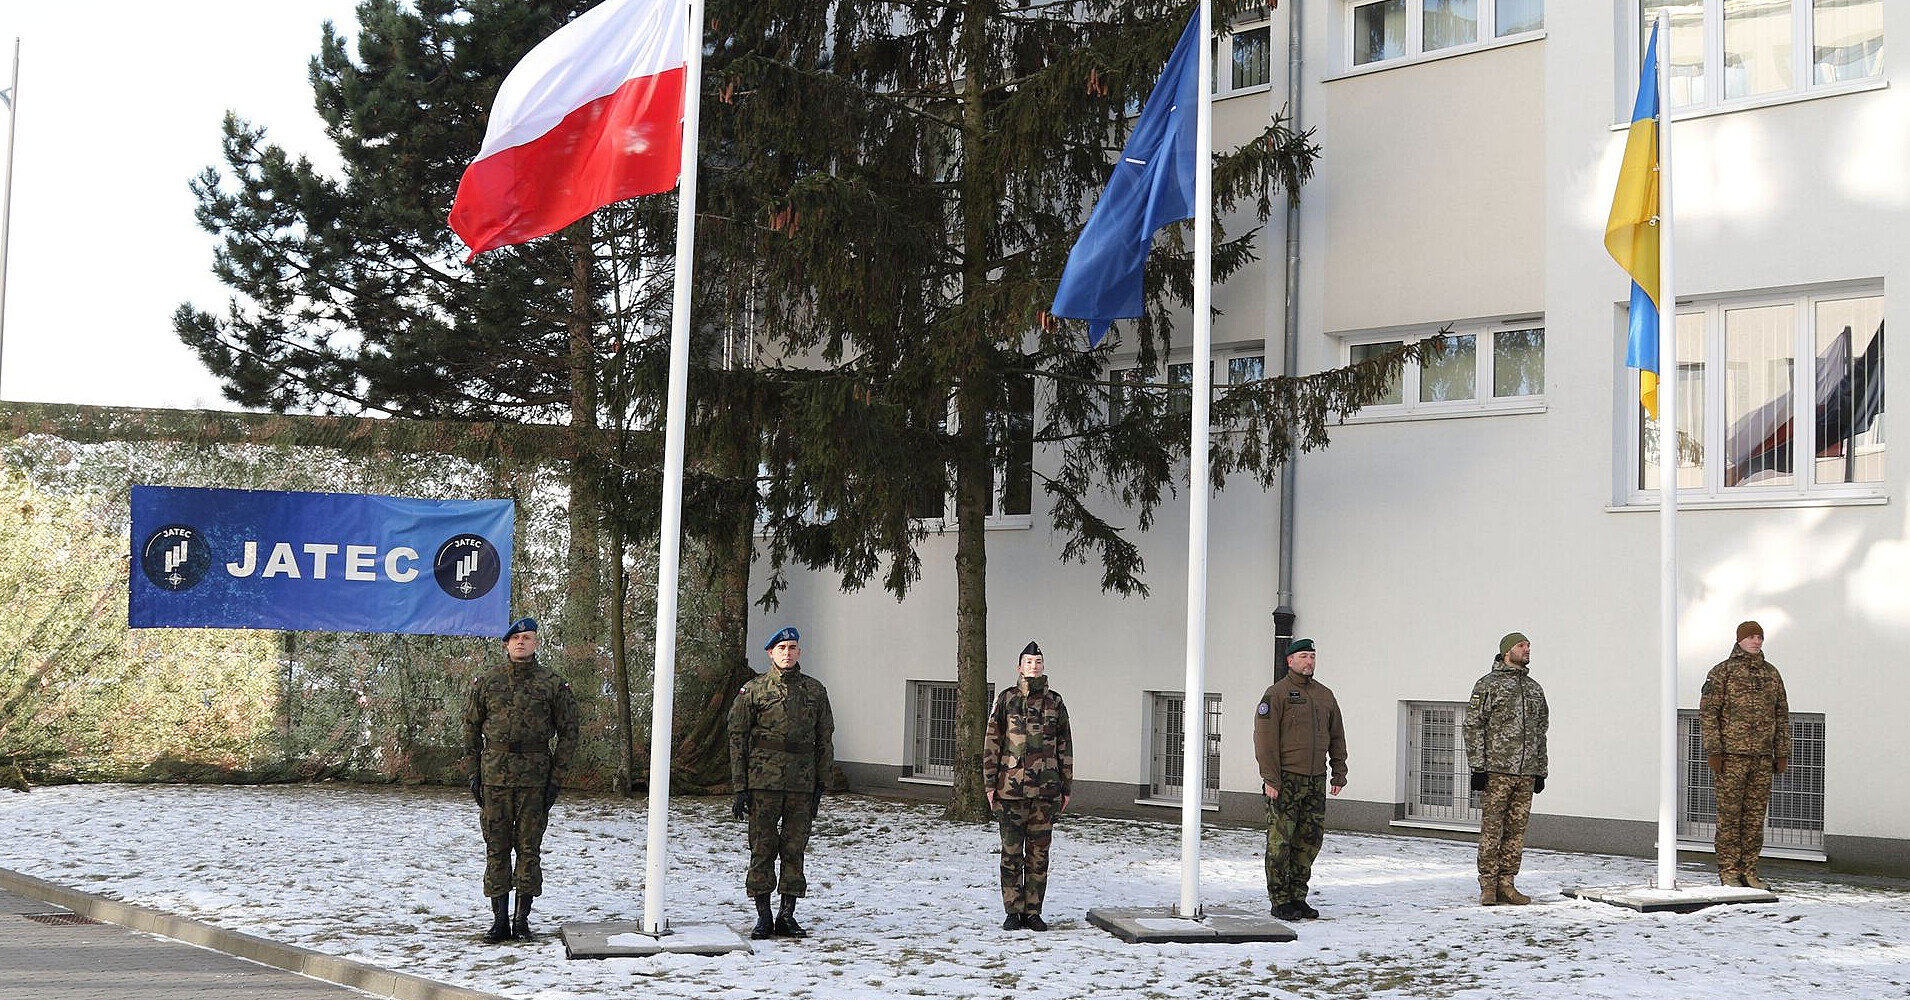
[582,626]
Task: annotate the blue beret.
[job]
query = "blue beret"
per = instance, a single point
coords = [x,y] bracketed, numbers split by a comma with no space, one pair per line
[521,625]
[787,633]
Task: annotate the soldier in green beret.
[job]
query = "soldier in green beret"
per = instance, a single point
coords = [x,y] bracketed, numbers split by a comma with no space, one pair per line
[782,745]
[1028,772]
[1298,736]
[511,715]
[1744,718]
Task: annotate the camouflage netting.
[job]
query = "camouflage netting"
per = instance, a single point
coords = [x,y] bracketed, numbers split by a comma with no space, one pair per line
[84,697]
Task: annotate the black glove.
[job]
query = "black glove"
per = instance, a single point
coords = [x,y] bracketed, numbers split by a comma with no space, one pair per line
[739,806]
[550,795]
[477,790]
[1538,784]
[815,802]
[1478,781]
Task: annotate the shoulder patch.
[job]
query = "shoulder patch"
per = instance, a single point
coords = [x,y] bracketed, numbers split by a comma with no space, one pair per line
[1263,708]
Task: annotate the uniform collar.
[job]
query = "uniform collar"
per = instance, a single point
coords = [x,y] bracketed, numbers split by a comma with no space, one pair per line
[1032,685]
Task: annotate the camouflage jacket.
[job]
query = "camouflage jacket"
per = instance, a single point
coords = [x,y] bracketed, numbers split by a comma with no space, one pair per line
[510,717]
[1028,749]
[1297,728]
[782,733]
[1506,722]
[1743,709]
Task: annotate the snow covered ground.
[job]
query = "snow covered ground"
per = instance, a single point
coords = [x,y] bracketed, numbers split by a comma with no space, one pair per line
[903,904]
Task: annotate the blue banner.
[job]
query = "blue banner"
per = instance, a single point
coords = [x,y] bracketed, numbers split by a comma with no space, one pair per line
[319,562]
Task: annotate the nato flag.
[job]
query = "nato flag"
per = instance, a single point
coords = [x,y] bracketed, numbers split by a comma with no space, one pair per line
[1152,186]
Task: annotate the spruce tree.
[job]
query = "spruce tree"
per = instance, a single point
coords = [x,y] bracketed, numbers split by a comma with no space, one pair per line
[895,187]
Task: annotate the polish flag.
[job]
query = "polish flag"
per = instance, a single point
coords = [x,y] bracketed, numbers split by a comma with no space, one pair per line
[591,116]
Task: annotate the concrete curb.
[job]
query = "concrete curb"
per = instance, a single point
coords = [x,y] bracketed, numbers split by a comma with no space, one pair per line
[304,961]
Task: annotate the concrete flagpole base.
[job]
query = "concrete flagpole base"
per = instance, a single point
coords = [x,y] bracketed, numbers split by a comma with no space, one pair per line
[627,939]
[1165,925]
[1683,899]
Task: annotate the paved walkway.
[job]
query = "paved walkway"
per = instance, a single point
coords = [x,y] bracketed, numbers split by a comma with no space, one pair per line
[98,961]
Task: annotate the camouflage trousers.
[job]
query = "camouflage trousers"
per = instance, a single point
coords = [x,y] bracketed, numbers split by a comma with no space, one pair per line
[1296,823]
[1744,793]
[513,821]
[1504,809]
[778,828]
[1027,828]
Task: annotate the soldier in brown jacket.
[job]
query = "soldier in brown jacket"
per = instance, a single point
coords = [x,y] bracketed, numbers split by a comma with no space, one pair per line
[1745,720]
[1028,772]
[1297,733]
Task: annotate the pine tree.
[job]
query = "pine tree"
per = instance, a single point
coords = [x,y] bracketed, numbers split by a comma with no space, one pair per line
[894,187]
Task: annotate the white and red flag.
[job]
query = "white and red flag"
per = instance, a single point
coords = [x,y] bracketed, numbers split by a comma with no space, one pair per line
[591,116]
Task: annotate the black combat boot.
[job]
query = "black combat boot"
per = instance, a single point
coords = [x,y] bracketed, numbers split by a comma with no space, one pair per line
[1012,922]
[500,919]
[765,925]
[521,920]
[786,925]
[1032,920]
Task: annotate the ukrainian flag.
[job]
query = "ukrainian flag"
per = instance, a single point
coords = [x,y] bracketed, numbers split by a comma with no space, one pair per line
[1631,234]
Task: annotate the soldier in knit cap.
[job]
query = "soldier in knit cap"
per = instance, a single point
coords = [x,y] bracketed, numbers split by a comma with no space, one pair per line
[1028,772]
[1505,746]
[1745,720]
[511,716]
[782,745]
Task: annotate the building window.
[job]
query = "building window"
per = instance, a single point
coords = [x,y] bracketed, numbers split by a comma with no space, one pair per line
[1724,51]
[931,730]
[1478,369]
[1740,435]
[1383,30]
[1438,781]
[1795,821]
[1231,368]
[1249,60]
[1011,443]
[1167,753]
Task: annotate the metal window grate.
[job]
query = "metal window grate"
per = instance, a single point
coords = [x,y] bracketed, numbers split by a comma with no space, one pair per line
[59,919]
[1437,785]
[1166,747]
[933,706]
[1796,817]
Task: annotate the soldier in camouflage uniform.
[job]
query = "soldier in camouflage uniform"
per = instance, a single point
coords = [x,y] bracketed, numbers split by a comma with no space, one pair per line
[1028,772]
[511,715]
[1297,732]
[1745,720]
[1505,747]
[782,745]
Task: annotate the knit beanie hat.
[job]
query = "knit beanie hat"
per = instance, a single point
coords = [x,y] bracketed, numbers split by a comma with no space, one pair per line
[1510,640]
[1749,629]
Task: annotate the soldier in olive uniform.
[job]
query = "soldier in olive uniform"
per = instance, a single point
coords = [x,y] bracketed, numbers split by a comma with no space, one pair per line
[1297,733]
[1028,772]
[1505,747]
[510,718]
[1745,720]
[782,745]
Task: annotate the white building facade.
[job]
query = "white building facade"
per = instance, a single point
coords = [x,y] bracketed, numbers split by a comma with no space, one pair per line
[1469,151]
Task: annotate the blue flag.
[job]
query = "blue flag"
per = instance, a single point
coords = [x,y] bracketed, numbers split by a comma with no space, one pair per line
[1152,186]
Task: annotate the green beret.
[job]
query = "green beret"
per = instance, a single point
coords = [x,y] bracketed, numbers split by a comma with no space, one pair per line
[1300,646]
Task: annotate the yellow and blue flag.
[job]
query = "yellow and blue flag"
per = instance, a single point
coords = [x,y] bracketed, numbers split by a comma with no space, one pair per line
[1152,186]
[1631,233]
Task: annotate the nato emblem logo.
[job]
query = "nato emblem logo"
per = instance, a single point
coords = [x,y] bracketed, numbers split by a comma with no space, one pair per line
[467,567]
[175,557]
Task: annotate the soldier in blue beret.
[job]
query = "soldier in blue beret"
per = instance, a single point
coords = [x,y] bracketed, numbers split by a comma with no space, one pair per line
[511,716]
[782,745]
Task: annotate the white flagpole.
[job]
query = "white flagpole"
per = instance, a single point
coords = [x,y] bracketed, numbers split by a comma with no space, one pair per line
[1194,701]
[663,696]
[1667,485]
[11,98]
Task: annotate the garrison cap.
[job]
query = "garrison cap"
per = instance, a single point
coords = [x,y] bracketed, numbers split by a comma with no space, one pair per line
[521,625]
[1032,649]
[787,633]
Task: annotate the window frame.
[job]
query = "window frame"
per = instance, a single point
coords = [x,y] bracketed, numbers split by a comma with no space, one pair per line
[1414,46]
[1223,61]
[1482,403]
[998,488]
[919,696]
[1793,825]
[1804,445]
[1221,360]
[1803,86]
[1457,813]
[1155,790]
